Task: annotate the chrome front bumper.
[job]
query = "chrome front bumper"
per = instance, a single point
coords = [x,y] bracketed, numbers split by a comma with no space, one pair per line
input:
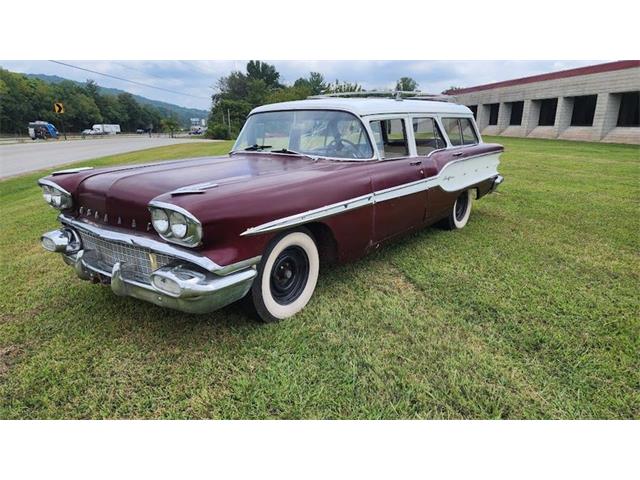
[180,285]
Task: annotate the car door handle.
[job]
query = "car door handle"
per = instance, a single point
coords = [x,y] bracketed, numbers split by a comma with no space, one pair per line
[416,162]
[457,154]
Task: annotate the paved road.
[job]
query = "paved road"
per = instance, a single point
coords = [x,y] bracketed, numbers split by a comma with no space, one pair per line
[28,157]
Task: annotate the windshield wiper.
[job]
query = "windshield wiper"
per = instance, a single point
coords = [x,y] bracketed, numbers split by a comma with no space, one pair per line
[293,152]
[286,150]
[256,147]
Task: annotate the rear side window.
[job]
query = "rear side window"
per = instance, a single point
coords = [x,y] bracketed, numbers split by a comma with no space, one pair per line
[452,127]
[428,136]
[460,131]
[391,137]
[468,132]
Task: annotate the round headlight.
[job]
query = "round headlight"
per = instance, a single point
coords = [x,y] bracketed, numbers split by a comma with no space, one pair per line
[46,194]
[160,220]
[179,225]
[56,198]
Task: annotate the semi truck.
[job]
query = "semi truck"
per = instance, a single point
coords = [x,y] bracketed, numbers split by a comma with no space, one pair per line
[102,129]
[106,128]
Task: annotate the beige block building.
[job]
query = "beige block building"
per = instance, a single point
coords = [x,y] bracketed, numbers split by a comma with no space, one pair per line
[599,103]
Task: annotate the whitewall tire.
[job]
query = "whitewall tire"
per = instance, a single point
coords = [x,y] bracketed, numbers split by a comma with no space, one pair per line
[460,212]
[287,276]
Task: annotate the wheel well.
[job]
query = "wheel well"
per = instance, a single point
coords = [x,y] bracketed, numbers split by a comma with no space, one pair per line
[325,240]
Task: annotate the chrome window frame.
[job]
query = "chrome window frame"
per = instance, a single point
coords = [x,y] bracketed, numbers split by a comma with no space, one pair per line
[474,125]
[411,144]
[437,125]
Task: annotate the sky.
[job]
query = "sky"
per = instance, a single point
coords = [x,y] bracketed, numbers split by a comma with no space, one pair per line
[194,81]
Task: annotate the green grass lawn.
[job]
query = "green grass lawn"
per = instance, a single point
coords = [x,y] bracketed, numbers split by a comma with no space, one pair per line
[531,311]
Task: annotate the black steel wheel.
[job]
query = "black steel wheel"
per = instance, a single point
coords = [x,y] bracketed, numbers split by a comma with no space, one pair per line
[289,275]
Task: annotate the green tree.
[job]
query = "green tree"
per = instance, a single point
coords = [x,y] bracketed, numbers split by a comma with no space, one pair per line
[288,94]
[314,83]
[132,118]
[451,90]
[92,89]
[344,87]
[257,70]
[170,124]
[406,84]
[24,99]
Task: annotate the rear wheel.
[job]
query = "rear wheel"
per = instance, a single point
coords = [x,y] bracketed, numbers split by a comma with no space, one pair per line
[287,276]
[460,212]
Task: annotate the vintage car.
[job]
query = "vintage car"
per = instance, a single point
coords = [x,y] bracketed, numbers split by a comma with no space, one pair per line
[319,180]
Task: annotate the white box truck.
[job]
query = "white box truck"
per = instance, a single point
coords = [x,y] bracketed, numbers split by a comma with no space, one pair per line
[105,129]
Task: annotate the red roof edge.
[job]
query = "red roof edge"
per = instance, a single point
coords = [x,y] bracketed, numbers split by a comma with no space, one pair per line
[574,72]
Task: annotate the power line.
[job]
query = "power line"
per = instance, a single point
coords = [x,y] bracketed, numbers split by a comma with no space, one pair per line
[138,70]
[127,80]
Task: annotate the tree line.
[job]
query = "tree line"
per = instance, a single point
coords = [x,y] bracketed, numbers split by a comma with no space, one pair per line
[24,99]
[240,92]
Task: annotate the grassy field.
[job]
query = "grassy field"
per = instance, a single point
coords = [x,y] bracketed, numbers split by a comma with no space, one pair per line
[531,311]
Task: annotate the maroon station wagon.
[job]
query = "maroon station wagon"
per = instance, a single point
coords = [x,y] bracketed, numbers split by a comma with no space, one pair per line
[326,179]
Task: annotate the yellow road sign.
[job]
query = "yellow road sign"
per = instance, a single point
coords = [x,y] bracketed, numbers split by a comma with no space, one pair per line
[58,107]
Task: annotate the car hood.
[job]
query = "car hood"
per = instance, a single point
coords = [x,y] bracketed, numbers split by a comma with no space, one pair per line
[119,196]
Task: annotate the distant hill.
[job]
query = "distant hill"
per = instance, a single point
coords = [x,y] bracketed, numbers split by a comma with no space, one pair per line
[183,113]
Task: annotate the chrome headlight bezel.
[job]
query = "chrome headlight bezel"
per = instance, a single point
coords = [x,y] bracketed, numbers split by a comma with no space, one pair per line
[193,233]
[55,196]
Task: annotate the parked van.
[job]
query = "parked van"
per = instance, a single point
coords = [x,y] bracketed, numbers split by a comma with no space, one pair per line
[43,130]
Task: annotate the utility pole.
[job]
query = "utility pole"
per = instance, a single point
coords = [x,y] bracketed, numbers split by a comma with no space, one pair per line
[229,122]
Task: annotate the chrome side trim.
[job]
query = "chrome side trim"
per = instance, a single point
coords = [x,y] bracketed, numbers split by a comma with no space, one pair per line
[311,215]
[71,170]
[451,178]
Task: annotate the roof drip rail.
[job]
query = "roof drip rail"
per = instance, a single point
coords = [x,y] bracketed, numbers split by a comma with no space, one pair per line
[398,95]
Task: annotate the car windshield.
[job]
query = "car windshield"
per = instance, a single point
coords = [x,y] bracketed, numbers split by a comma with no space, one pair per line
[311,132]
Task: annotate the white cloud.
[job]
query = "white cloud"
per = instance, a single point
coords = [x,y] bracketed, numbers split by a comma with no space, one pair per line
[198,78]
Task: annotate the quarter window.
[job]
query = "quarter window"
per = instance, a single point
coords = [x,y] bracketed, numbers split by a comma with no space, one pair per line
[460,131]
[468,132]
[452,127]
[391,137]
[428,136]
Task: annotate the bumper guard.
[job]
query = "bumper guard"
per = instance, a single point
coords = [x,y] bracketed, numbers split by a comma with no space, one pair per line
[179,285]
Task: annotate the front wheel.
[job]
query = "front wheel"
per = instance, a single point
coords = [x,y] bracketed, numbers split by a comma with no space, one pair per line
[460,212]
[287,276]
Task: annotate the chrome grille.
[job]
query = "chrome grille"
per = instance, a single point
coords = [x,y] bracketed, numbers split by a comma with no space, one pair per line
[137,259]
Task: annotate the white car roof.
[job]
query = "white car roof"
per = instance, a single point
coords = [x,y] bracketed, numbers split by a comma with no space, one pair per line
[368,106]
